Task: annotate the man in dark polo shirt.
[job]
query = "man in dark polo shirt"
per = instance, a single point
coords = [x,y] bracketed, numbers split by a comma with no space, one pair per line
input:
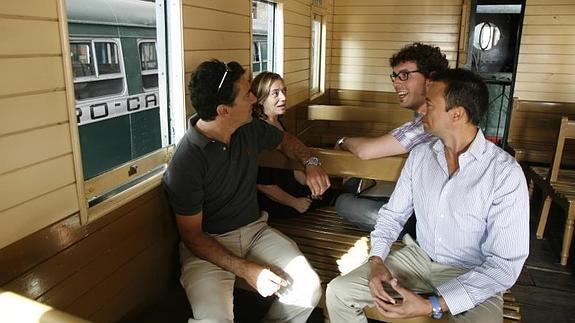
[211,184]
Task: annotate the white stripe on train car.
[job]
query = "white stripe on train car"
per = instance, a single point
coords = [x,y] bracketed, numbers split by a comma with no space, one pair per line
[102,110]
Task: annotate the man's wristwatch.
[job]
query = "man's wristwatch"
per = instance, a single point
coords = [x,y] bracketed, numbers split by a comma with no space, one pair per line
[436,312]
[312,161]
[340,141]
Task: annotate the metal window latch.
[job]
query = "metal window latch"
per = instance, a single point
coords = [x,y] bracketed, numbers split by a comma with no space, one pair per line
[133,170]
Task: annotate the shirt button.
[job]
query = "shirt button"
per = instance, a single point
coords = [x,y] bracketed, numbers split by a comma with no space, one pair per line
[224,148]
[439,239]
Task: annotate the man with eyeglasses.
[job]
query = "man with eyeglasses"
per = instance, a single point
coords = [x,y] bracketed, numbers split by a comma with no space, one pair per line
[412,66]
[211,185]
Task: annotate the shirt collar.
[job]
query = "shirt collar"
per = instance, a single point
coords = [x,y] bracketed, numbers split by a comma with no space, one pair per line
[194,135]
[476,149]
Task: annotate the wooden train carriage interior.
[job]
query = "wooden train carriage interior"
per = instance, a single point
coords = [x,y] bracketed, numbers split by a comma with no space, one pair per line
[86,233]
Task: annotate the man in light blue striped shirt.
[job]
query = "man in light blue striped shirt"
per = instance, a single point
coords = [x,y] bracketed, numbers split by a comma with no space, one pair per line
[472,207]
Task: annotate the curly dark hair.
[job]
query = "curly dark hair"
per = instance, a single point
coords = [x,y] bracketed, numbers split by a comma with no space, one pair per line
[429,59]
[206,79]
[465,89]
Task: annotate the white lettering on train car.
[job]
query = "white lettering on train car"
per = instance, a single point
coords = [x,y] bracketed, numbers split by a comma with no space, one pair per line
[98,111]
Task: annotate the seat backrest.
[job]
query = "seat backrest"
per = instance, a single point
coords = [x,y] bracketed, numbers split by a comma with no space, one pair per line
[566,131]
[342,163]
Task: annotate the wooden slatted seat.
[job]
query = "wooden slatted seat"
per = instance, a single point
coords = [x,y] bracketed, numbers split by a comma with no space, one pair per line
[533,131]
[325,238]
[558,185]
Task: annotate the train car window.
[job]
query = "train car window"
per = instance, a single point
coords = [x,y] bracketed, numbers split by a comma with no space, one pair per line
[97,69]
[264,36]
[118,53]
[82,62]
[317,54]
[107,57]
[148,64]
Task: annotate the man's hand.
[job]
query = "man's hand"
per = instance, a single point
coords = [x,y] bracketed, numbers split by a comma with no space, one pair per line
[413,305]
[263,279]
[301,204]
[317,181]
[379,275]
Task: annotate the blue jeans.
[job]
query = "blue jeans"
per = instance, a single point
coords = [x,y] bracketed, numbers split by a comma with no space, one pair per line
[363,211]
[360,211]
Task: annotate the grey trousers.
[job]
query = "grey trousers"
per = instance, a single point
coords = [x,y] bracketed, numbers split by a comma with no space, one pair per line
[210,288]
[346,296]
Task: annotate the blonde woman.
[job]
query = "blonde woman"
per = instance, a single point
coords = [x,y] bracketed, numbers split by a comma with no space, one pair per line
[281,192]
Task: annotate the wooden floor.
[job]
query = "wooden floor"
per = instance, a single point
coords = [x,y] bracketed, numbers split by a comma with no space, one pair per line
[545,289]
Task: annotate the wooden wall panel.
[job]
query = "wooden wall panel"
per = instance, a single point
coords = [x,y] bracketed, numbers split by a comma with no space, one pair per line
[37,171]
[31,182]
[215,30]
[30,8]
[230,6]
[366,33]
[32,111]
[29,37]
[219,40]
[200,18]
[104,271]
[296,65]
[27,75]
[297,40]
[32,147]
[27,214]
[546,70]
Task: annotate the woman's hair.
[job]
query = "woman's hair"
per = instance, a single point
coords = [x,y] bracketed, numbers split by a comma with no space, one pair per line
[261,89]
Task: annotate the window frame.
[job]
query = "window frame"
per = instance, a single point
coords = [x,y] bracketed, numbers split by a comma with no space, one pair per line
[149,168]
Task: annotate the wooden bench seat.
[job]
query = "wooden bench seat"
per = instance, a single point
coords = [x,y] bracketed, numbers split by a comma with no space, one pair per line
[329,242]
[533,131]
[325,238]
[330,122]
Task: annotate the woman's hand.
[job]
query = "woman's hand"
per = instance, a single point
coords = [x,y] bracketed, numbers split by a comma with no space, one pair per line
[301,204]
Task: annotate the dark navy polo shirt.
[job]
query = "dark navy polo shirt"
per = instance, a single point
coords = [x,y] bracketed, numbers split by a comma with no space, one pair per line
[206,175]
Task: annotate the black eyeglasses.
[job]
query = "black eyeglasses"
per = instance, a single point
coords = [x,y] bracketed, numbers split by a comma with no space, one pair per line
[223,77]
[402,75]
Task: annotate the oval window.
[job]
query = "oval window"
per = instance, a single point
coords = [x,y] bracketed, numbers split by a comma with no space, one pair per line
[486,36]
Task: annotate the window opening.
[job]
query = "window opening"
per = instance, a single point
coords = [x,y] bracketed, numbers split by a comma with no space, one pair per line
[148,64]
[116,68]
[263,30]
[316,54]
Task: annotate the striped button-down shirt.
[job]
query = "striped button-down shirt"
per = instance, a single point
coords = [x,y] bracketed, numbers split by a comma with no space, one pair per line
[478,218]
[411,133]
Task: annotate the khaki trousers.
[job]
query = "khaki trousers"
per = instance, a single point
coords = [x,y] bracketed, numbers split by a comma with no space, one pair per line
[346,296]
[210,288]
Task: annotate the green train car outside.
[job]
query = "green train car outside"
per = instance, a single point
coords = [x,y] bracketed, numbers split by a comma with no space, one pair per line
[115,68]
